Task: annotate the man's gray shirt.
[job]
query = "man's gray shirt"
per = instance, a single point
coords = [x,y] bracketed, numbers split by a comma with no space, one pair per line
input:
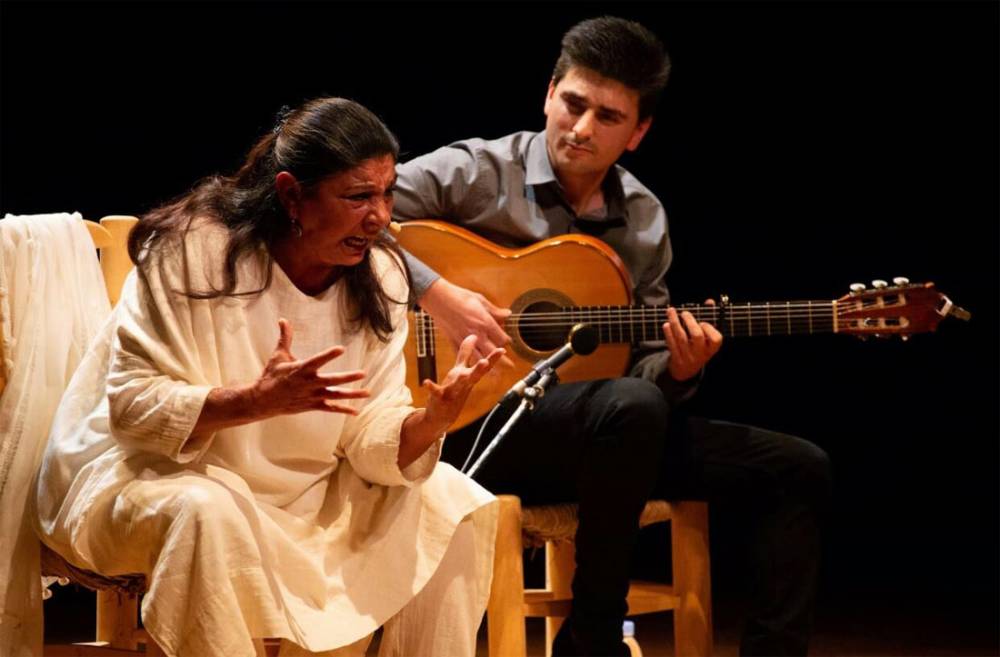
[505,190]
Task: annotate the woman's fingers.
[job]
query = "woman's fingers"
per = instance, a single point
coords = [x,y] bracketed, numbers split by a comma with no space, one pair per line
[331,406]
[435,389]
[320,359]
[347,393]
[284,336]
[338,378]
[484,365]
[282,350]
[465,350]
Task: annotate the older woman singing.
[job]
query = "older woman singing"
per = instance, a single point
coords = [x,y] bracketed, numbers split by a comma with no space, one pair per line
[241,433]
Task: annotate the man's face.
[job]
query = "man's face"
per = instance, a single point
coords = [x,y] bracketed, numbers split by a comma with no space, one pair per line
[590,121]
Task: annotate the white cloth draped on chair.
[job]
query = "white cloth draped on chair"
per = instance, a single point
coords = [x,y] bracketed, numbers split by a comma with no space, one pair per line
[52,302]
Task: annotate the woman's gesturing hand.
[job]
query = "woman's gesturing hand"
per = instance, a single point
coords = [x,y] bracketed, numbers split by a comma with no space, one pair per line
[445,401]
[448,397]
[288,385]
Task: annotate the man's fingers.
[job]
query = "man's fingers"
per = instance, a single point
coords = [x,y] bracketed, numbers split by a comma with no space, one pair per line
[495,333]
[499,339]
[695,334]
[676,336]
[495,310]
[320,359]
[674,328]
[713,337]
[668,335]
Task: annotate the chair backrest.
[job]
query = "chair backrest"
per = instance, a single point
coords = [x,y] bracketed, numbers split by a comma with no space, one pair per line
[111,241]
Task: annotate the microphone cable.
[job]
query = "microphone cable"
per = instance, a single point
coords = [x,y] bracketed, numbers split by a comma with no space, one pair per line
[479,435]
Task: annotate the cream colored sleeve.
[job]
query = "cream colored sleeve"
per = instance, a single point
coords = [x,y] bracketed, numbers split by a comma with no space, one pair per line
[371,439]
[159,376]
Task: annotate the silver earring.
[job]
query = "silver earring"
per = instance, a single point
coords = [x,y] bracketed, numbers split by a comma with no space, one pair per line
[296,228]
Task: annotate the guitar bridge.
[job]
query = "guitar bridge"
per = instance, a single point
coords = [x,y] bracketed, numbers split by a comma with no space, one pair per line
[426,361]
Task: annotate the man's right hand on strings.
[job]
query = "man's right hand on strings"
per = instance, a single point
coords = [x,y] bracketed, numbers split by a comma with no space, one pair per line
[461,312]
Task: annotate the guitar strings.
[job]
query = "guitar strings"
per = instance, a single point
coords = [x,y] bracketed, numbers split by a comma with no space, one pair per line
[763,318]
[614,317]
[608,319]
[613,314]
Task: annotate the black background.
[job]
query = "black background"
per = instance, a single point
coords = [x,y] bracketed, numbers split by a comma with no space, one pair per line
[799,147]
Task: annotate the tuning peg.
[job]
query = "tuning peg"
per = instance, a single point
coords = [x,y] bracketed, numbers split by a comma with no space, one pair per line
[878,284]
[857,288]
[901,281]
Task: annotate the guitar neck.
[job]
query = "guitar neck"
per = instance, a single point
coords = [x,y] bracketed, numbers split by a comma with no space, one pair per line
[634,324]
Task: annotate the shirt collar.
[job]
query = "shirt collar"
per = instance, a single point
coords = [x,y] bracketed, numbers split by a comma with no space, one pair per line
[537,168]
[538,171]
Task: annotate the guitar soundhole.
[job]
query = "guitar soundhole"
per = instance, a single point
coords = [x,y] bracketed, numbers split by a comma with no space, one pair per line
[542,326]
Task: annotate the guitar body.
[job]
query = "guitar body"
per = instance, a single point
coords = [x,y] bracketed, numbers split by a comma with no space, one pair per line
[569,270]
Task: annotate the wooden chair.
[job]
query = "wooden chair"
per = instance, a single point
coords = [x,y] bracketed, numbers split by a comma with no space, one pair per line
[118,631]
[554,527]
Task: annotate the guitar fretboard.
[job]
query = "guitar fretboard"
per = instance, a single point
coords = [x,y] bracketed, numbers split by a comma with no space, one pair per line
[635,324]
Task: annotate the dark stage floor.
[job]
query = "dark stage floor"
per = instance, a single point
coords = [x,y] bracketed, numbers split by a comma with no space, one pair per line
[884,625]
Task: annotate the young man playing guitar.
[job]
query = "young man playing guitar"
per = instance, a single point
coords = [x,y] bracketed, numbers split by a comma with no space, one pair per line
[605,444]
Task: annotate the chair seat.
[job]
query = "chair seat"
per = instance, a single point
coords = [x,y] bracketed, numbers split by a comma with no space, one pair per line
[558,522]
[554,526]
[53,565]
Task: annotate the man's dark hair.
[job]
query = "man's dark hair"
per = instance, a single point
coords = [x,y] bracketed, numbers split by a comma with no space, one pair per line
[619,49]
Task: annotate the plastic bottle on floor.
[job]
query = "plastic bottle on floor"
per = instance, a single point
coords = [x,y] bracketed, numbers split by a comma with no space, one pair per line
[628,638]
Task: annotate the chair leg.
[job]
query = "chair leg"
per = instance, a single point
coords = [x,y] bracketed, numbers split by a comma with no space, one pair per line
[154,650]
[560,565]
[692,579]
[505,610]
[117,619]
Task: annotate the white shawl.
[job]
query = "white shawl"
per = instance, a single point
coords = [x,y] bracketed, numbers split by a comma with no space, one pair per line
[52,302]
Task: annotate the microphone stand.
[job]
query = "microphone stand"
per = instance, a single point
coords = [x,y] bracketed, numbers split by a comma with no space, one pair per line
[528,398]
[582,340]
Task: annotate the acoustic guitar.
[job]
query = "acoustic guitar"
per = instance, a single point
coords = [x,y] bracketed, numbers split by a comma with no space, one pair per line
[573,279]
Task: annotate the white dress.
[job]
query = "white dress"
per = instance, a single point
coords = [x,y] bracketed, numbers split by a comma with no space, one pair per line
[301,526]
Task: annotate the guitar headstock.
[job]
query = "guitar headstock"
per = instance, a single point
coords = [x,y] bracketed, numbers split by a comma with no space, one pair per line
[902,309]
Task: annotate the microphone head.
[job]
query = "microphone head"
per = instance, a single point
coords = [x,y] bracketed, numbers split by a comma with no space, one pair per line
[583,339]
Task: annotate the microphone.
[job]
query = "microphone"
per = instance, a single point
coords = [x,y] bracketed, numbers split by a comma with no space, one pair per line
[583,340]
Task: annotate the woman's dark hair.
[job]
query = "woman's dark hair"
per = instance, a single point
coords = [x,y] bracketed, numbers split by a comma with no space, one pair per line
[619,49]
[321,138]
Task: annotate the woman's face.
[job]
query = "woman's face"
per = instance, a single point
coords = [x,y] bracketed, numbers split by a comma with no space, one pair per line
[342,214]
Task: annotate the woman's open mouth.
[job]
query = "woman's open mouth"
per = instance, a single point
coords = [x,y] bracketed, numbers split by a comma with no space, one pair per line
[356,243]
